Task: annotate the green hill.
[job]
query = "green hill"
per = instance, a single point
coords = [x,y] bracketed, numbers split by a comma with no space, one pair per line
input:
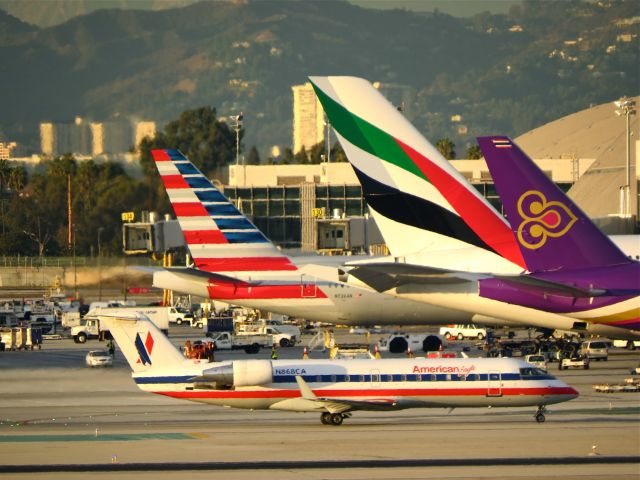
[500,73]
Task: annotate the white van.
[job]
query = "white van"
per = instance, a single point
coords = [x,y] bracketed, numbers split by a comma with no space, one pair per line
[461,332]
[595,350]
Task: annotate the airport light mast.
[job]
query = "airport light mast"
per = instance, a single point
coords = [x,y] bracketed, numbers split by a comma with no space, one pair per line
[237,126]
[626,106]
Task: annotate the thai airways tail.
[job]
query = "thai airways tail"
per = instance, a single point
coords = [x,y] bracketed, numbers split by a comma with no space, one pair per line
[418,199]
[219,237]
[144,346]
[552,232]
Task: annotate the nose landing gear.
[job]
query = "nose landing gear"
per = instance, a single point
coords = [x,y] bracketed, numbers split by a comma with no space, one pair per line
[539,416]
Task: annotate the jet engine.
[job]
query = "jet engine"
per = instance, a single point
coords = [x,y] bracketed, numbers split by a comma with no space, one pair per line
[240,373]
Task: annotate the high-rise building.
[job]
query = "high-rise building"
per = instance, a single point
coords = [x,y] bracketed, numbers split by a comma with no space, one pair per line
[143,129]
[47,139]
[308,118]
[5,150]
[97,138]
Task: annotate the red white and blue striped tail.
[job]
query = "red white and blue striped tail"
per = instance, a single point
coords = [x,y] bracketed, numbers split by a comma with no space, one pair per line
[219,237]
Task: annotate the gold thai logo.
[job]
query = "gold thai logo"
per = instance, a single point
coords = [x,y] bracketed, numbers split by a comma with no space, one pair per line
[542,219]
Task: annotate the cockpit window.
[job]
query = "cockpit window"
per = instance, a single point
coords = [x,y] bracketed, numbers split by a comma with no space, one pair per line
[531,372]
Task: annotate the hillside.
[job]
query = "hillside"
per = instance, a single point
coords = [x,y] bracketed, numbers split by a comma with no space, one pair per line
[500,73]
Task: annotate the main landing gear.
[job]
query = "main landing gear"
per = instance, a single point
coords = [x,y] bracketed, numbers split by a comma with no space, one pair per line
[333,418]
[539,416]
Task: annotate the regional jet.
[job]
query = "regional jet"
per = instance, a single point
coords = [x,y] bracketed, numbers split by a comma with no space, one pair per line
[332,388]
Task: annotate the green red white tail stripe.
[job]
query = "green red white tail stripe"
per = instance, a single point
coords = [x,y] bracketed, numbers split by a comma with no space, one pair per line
[417,197]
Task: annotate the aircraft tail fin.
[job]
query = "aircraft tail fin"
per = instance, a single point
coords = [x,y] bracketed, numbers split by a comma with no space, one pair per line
[552,232]
[143,344]
[418,198]
[219,237]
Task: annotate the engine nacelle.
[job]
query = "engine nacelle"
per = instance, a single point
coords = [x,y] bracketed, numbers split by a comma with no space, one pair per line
[252,372]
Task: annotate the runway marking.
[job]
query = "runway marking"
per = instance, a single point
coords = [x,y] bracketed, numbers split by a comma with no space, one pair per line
[101,437]
[317,464]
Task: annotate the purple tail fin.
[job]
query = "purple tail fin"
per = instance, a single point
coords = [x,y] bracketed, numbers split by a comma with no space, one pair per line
[552,232]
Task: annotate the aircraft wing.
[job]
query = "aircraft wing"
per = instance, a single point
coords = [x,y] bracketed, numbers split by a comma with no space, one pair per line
[385,276]
[340,405]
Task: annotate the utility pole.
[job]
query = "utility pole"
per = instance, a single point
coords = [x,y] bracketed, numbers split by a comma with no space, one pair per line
[626,106]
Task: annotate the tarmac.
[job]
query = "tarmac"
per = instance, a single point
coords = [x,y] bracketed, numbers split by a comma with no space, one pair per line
[61,419]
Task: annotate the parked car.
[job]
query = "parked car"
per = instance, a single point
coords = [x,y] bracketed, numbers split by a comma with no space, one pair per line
[538,360]
[99,358]
[595,350]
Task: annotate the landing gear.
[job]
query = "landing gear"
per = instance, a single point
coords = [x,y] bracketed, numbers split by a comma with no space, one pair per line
[332,418]
[539,416]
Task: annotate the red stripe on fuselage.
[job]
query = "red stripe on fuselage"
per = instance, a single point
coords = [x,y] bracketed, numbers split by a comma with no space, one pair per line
[174,181]
[487,225]
[160,156]
[368,393]
[221,290]
[200,237]
[244,264]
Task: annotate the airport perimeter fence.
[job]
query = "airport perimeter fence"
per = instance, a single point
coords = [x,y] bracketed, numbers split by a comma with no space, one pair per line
[69,262]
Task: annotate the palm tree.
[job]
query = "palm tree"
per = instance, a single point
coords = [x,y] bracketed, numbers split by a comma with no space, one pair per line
[447,148]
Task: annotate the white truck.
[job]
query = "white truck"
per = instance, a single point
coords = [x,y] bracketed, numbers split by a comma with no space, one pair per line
[250,343]
[89,327]
[401,342]
[460,332]
[281,337]
[179,315]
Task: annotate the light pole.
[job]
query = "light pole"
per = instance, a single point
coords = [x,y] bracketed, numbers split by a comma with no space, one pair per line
[100,264]
[237,126]
[75,266]
[626,106]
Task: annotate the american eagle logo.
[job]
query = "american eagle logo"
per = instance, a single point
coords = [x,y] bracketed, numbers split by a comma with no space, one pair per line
[542,219]
[144,348]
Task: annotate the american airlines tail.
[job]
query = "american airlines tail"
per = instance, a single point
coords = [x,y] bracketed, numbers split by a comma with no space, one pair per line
[420,202]
[219,237]
[552,232]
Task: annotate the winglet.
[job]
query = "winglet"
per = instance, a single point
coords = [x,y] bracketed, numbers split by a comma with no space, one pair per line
[551,231]
[305,389]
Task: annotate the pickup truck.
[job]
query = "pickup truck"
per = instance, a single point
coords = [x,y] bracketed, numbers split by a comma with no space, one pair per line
[279,337]
[574,362]
[250,343]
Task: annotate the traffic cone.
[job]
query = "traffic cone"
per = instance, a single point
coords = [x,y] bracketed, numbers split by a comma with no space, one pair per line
[376,352]
[409,353]
[305,354]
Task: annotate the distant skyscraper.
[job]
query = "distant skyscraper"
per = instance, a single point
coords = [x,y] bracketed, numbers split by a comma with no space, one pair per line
[5,150]
[97,138]
[47,139]
[143,129]
[308,117]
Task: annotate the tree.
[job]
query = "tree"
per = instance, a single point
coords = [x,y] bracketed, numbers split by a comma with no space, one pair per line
[198,134]
[253,157]
[287,156]
[301,157]
[447,148]
[474,152]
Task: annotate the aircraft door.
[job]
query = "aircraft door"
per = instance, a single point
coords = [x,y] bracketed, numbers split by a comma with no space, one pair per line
[375,378]
[494,386]
[308,286]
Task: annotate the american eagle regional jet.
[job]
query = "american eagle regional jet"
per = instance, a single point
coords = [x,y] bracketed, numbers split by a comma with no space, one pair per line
[332,388]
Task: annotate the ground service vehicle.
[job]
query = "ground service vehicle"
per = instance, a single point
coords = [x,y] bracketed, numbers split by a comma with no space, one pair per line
[460,332]
[537,360]
[283,339]
[595,350]
[99,358]
[179,316]
[250,343]
[574,362]
[401,342]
